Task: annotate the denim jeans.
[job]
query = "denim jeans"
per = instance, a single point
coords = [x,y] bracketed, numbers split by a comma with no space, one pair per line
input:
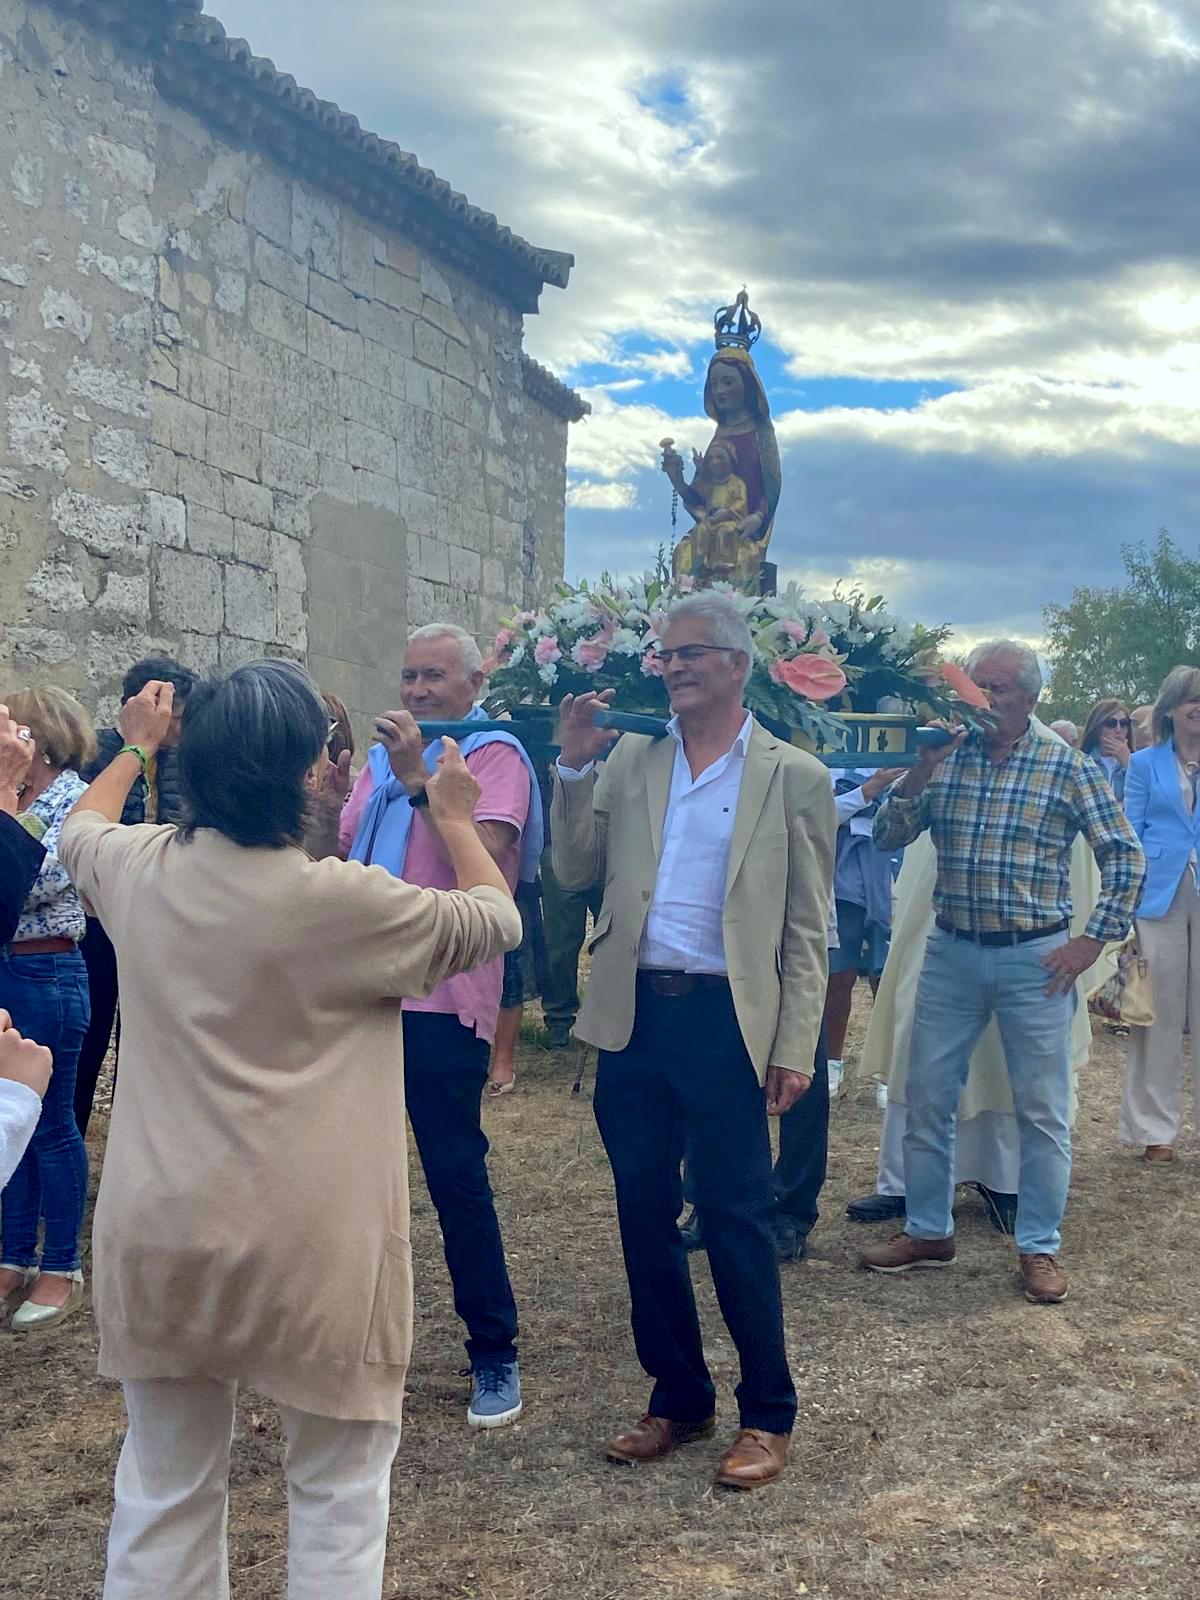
[48,999]
[962,986]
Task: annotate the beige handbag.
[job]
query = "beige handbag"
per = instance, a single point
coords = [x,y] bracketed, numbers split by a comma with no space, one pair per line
[1128,996]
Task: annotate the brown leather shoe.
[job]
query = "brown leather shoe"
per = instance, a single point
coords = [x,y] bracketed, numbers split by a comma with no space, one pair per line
[654,1437]
[1045,1281]
[902,1253]
[1159,1154]
[753,1459]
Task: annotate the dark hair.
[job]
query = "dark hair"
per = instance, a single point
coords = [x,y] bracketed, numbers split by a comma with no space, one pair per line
[248,740]
[342,737]
[160,669]
[1094,726]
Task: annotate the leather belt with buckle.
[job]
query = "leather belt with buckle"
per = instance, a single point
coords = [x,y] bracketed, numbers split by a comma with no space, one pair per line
[674,985]
[1002,938]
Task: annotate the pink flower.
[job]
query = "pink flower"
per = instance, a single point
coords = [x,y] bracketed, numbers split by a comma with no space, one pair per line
[814,677]
[795,630]
[524,618]
[818,637]
[503,644]
[546,651]
[651,665]
[590,654]
[686,584]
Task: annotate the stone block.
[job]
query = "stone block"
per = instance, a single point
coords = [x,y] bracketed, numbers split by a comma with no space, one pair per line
[357,266]
[235,653]
[316,231]
[203,381]
[164,469]
[188,592]
[166,520]
[252,545]
[444,318]
[163,370]
[328,435]
[383,369]
[251,400]
[316,384]
[332,300]
[250,602]
[292,517]
[494,576]
[429,345]
[322,625]
[338,480]
[209,532]
[343,678]
[464,525]
[419,451]
[178,424]
[201,485]
[455,400]
[434,285]
[276,317]
[402,257]
[234,446]
[62,313]
[229,243]
[422,387]
[370,448]
[198,287]
[46,646]
[419,512]
[281,270]
[286,561]
[291,621]
[460,363]
[376,490]
[225,342]
[507,539]
[289,467]
[123,455]
[121,165]
[387,590]
[335,347]
[269,206]
[390,328]
[34,431]
[231,293]
[360,637]
[56,585]
[397,290]
[169,291]
[197,651]
[130,596]
[428,558]
[109,387]
[466,569]
[249,502]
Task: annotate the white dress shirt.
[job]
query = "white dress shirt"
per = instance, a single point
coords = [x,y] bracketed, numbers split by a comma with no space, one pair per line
[683,931]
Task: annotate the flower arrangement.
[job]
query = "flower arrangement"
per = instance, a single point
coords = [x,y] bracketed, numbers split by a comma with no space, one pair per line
[811,657]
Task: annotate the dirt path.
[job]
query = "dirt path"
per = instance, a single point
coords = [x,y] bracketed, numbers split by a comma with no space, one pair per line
[954,1443]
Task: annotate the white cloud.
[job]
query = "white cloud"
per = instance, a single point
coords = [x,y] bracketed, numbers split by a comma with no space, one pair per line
[593,496]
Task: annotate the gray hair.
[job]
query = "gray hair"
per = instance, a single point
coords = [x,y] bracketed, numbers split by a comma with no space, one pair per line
[1030,676]
[726,625]
[472,659]
[1180,684]
[1065,729]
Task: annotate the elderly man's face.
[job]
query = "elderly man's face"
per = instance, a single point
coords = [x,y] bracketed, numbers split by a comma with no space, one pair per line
[699,679]
[433,684]
[1000,679]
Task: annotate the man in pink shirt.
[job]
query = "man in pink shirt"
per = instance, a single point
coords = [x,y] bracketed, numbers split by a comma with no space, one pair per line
[448,1035]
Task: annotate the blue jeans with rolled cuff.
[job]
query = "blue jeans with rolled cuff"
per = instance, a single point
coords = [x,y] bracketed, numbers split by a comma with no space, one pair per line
[47,996]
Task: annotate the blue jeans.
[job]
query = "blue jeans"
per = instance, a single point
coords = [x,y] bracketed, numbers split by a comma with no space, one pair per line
[48,999]
[962,986]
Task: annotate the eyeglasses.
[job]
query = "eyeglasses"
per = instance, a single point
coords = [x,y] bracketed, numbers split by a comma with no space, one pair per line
[1117,722]
[689,652]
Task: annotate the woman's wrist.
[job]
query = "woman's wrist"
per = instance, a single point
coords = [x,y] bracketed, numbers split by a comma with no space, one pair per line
[10,799]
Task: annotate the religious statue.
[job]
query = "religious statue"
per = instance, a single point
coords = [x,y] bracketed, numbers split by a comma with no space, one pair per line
[735,486]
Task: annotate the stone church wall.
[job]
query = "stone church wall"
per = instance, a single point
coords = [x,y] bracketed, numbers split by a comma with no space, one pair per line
[237,417]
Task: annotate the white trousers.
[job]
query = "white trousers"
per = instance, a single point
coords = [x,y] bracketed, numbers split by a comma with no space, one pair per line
[1152,1104]
[167,1540]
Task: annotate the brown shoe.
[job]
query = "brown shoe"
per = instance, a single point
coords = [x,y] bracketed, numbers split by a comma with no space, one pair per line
[654,1437]
[754,1458]
[1159,1154]
[1045,1281]
[902,1253]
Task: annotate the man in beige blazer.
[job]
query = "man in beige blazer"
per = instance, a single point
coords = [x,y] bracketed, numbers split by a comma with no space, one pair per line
[715,846]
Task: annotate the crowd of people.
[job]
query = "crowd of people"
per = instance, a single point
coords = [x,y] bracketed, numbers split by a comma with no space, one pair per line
[298,959]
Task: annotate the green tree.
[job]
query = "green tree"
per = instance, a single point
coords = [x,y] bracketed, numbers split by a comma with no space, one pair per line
[1124,641]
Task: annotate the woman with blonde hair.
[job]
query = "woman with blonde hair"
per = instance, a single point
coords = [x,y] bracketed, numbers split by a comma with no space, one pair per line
[43,985]
[1108,741]
[1160,801]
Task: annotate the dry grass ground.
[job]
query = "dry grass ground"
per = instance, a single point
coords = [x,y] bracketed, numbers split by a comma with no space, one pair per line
[954,1443]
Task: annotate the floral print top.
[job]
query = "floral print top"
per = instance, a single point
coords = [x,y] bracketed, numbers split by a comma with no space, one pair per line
[53,909]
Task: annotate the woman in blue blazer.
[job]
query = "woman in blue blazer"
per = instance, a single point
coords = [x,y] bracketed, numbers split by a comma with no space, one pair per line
[1161,802]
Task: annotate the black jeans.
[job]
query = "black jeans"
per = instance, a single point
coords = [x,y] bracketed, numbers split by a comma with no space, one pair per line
[445,1070]
[685,1080]
[101,961]
[799,1174]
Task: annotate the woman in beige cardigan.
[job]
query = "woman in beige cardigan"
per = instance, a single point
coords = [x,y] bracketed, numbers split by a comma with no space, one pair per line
[252,1221]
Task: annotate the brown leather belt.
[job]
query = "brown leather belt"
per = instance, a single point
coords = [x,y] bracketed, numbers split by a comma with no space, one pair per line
[674,985]
[42,947]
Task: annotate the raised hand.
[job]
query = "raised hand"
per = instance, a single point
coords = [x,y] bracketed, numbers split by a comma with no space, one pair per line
[930,756]
[453,790]
[401,738]
[16,753]
[145,720]
[580,741]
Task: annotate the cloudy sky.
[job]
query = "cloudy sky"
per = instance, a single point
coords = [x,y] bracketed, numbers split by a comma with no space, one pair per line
[971,229]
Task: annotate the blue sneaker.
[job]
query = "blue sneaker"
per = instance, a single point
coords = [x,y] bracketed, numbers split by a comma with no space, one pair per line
[495,1394]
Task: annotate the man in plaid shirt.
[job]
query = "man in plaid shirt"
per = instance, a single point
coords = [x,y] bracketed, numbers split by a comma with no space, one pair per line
[1003,809]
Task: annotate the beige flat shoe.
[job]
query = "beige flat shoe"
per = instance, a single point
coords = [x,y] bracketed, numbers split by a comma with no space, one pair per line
[16,1297]
[495,1090]
[32,1318]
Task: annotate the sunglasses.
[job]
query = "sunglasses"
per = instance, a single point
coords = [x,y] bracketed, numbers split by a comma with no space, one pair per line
[1117,722]
[688,652]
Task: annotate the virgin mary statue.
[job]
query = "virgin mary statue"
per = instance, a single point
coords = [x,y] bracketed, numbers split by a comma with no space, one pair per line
[735,489]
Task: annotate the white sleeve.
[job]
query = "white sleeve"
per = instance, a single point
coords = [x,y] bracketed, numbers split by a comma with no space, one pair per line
[20,1108]
[569,774]
[849,804]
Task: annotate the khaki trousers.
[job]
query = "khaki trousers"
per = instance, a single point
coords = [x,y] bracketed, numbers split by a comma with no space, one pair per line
[168,1539]
[1152,1105]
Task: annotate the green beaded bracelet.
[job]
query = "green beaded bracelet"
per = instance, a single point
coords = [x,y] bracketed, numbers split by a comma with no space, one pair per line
[136,750]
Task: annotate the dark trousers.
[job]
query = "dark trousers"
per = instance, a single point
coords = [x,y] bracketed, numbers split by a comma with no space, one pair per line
[800,1171]
[101,961]
[564,920]
[445,1070]
[685,1081]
